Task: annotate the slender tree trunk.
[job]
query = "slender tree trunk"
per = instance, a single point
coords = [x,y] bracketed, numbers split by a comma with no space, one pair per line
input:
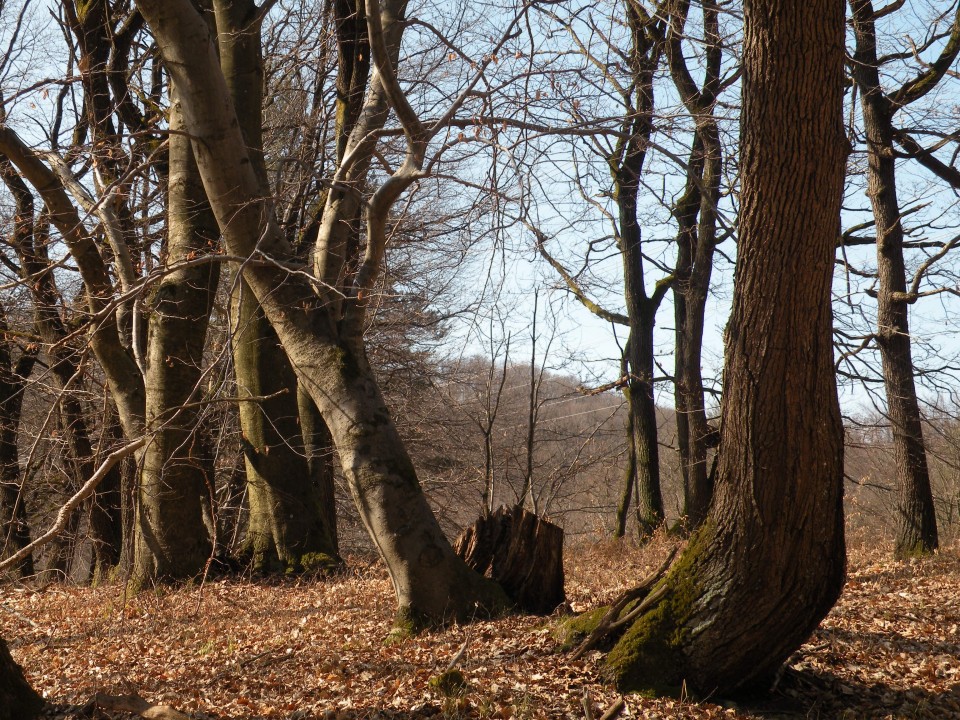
[626,168]
[13,508]
[917,522]
[171,539]
[697,237]
[30,241]
[768,562]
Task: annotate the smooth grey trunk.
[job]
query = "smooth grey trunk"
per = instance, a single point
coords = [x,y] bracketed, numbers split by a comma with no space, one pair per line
[431,582]
[171,538]
[290,529]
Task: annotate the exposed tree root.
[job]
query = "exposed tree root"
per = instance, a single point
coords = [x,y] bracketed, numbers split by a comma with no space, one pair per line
[640,597]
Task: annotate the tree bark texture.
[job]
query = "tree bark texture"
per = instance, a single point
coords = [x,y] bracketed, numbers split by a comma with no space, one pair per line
[522,552]
[768,562]
[916,514]
[431,582]
[18,701]
[171,539]
[289,529]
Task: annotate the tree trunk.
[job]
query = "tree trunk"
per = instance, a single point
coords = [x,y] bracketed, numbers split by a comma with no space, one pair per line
[18,701]
[290,529]
[626,168]
[13,502]
[30,240]
[171,538]
[768,562]
[432,584]
[696,240]
[917,521]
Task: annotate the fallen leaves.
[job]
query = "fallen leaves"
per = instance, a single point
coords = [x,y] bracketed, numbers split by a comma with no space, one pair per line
[891,648]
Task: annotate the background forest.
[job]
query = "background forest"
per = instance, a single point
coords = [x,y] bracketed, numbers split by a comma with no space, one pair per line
[287,285]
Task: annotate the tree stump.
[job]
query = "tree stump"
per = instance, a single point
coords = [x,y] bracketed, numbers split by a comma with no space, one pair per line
[18,701]
[522,552]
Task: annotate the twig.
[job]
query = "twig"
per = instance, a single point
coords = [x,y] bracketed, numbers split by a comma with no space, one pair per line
[614,710]
[25,619]
[587,705]
[82,494]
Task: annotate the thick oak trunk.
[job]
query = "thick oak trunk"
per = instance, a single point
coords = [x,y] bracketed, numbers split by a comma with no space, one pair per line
[768,562]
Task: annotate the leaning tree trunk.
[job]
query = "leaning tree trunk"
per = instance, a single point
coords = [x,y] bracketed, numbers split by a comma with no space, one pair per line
[768,562]
[18,701]
[431,583]
[916,515]
[171,538]
[290,529]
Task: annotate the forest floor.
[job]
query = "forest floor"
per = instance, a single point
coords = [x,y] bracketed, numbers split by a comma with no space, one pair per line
[235,649]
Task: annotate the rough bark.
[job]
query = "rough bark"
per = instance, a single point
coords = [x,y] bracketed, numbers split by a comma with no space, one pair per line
[768,562]
[916,515]
[431,582]
[171,538]
[522,552]
[18,701]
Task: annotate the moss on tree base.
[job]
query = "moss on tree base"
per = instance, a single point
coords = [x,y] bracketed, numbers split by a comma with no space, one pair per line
[649,657]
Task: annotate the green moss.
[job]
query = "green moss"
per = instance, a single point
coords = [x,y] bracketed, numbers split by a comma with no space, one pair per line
[451,683]
[407,623]
[573,631]
[649,658]
[316,563]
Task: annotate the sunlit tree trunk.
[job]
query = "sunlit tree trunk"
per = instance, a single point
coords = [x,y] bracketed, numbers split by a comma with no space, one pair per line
[431,582]
[768,562]
[916,515]
[289,528]
[171,538]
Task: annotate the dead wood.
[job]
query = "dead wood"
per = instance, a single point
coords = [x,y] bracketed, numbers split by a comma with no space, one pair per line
[522,552]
